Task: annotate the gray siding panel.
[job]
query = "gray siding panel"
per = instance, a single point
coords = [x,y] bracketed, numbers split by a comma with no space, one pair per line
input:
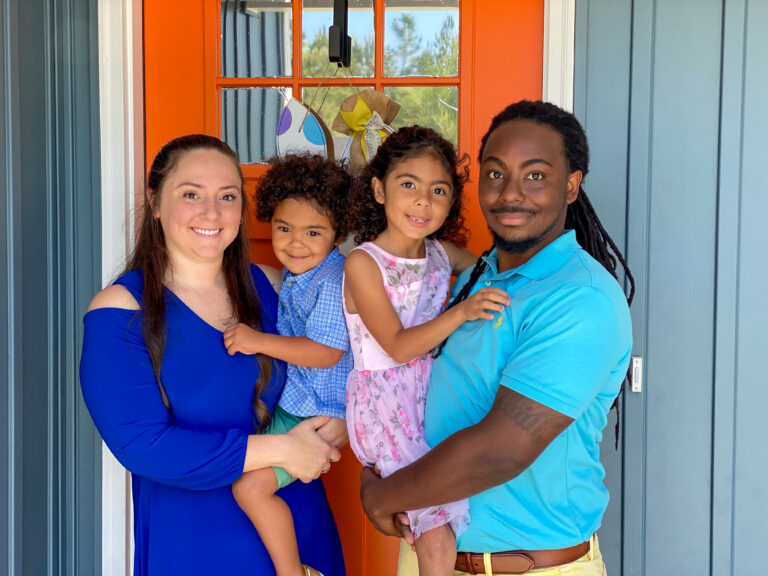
[727,286]
[50,258]
[32,301]
[750,509]
[601,87]
[681,293]
[694,460]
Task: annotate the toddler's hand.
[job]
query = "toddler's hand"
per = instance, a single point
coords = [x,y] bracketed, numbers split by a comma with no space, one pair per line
[334,432]
[483,303]
[241,338]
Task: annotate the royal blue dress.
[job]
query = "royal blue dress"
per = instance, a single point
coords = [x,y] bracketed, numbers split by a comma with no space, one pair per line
[186,521]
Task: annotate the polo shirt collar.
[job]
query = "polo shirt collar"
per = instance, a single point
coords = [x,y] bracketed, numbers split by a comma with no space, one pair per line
[544,263]
[303,280]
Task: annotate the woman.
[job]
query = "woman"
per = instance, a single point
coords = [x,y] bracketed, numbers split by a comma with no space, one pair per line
[173,407]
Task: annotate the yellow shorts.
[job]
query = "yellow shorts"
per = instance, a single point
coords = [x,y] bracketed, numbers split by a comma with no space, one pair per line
[591,564]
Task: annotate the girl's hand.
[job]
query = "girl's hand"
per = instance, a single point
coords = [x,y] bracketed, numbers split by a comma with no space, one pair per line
[241,338]
[334,432]
[483,303]
[307,455]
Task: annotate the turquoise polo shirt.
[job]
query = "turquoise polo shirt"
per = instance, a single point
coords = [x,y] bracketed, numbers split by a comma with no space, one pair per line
[565,342]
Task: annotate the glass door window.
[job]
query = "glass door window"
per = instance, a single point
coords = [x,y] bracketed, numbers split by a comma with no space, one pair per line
[272,50]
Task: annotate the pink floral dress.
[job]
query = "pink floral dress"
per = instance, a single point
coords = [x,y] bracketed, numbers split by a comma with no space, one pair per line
[385,399]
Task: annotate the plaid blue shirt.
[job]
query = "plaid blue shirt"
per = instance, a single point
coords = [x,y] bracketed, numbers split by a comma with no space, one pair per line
[310,306]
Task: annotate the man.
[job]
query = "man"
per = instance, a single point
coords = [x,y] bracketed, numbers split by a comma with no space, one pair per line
[517,405]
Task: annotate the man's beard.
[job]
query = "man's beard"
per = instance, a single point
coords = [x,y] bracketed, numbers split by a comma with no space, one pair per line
[522,245]
[514,246]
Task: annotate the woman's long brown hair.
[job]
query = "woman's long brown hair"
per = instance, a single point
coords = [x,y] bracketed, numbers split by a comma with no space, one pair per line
[150,255]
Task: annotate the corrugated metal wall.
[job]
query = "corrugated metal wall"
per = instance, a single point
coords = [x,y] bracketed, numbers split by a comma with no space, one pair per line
[49,259]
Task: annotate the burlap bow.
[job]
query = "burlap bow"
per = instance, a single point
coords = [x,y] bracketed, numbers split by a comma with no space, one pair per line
[365,117]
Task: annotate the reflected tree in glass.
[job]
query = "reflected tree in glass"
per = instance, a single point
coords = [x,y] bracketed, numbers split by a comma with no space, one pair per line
[436,107]
[421,42]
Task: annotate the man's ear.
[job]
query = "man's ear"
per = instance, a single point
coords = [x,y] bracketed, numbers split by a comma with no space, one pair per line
[573,185]
[378,190]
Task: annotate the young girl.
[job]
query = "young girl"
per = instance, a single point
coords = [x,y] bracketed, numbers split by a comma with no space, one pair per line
[407,210]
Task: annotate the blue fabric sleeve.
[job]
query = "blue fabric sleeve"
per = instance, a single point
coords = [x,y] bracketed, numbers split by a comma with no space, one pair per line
[121,393]
[566,351]
[267,298]
[326,324]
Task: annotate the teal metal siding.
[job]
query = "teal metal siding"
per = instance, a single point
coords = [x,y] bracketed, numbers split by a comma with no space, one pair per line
[50,253]
[692,121]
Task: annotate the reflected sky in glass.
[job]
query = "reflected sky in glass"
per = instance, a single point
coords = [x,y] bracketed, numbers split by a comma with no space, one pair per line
[428,23]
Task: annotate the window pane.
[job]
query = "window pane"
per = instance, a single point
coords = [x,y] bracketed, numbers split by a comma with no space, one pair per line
[436,107]
[328,109]
[249,118]
[317,17]
[256,38]
[421,38]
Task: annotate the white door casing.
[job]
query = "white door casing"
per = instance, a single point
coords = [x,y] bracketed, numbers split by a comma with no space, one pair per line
[122,181]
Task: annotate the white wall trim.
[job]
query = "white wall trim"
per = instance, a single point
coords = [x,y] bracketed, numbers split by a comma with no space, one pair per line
[559,40]
[122,180]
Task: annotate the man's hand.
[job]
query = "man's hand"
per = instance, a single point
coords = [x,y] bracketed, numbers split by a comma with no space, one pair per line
[241,338]
[368,487]
[403,524]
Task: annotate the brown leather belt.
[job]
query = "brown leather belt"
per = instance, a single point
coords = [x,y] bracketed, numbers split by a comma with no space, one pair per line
[520,561]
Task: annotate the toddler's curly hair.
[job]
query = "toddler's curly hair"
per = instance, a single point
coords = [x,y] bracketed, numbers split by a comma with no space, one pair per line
[368,216]
[311,178]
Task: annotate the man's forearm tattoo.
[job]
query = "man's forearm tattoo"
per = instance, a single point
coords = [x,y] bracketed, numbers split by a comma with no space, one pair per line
[539,422]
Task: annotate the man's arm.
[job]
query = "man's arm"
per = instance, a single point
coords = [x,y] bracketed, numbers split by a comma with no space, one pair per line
[493,451]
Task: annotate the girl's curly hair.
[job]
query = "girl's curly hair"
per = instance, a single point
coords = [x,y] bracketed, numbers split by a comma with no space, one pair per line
[368,216]
[311,178]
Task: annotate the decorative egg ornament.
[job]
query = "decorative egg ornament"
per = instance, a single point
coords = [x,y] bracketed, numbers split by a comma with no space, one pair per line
[301,131]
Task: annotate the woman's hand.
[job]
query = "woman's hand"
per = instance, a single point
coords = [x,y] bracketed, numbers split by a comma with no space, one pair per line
[334,432]
[483,303]
[306,454]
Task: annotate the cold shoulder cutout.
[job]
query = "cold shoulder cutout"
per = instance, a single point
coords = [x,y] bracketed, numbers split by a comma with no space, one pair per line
[114,296]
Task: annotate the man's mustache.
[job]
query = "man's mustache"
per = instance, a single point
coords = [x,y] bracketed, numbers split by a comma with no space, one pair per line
[512,210]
